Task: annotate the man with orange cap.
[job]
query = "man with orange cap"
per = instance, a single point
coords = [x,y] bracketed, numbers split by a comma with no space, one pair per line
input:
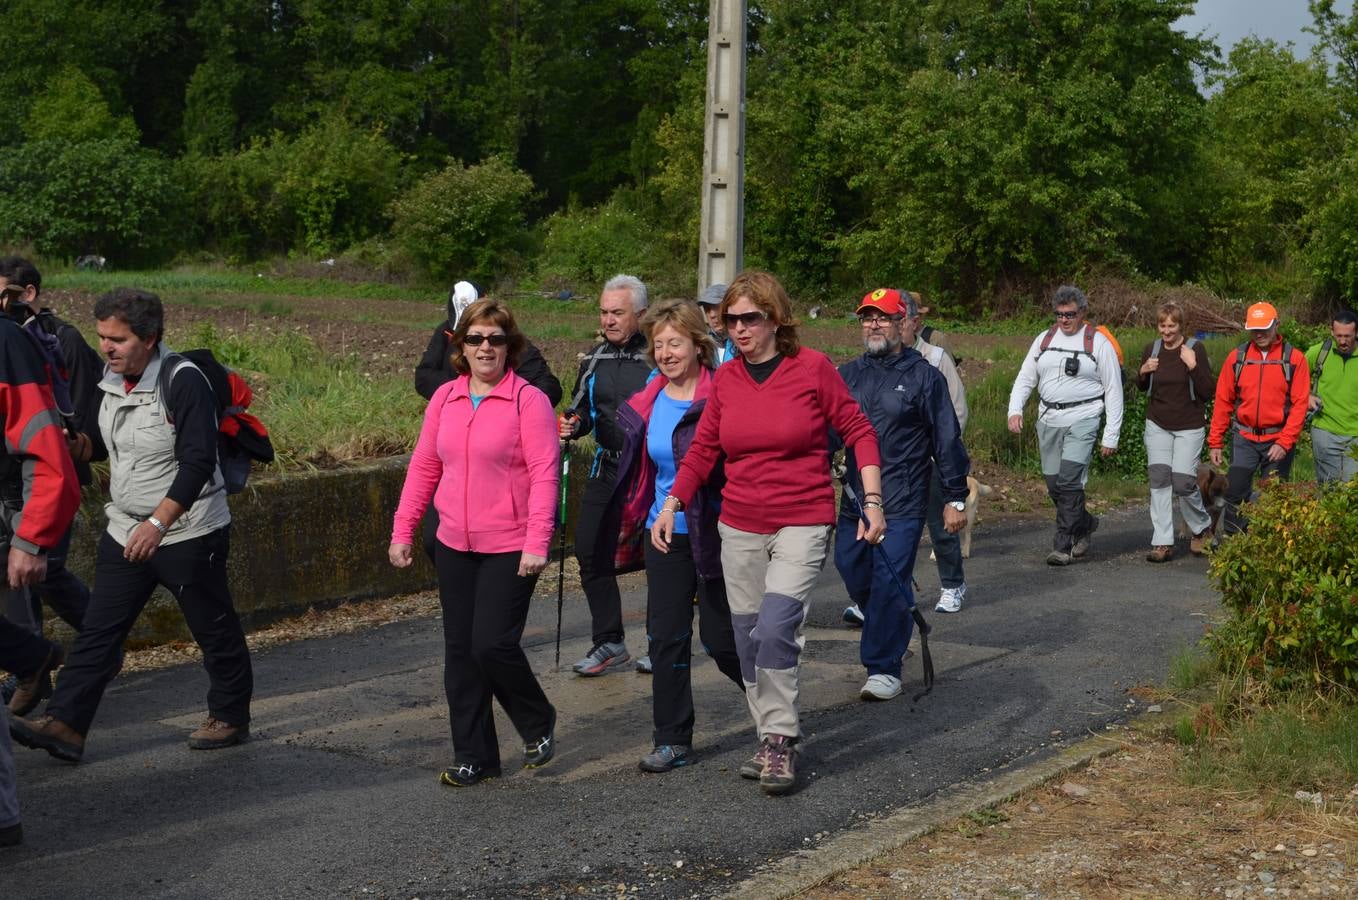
[1262,393]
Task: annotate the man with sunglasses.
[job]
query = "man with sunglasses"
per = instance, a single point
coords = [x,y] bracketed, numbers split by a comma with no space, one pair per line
[907,401]
[67,595]
[1075,370]
[612,371]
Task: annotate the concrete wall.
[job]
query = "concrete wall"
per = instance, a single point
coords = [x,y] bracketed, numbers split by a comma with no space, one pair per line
[311,539]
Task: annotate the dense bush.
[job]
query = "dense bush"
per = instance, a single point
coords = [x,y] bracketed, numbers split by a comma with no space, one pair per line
[106,196]
[1288,584]
[464,221]
[587,246]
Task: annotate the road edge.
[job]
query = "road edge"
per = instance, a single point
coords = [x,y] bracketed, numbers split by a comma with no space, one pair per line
[806,869]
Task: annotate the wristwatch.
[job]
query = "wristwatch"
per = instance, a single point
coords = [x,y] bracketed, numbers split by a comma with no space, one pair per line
[959,505]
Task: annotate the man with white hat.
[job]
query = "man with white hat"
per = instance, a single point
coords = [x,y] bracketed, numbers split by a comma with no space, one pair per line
[1262,393]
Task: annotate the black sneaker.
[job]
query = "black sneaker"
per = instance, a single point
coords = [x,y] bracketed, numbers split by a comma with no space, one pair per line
[466,775]
[12,835]
[540,752]
[666,757]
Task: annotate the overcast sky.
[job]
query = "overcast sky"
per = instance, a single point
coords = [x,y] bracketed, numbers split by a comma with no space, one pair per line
[1227,21]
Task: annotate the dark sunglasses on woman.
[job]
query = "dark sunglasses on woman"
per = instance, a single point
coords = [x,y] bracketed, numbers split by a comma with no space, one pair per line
[476,340]
[748,319]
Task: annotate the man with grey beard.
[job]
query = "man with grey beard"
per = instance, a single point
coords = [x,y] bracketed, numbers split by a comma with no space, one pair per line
[906,399]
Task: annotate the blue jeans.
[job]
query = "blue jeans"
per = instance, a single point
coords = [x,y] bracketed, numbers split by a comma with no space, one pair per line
[866,571]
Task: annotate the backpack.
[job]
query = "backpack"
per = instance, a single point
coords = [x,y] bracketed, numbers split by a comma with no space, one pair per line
[58,376]
[1089,343]
[241,437]
[1288,371]
[1325,346]
[1190,343]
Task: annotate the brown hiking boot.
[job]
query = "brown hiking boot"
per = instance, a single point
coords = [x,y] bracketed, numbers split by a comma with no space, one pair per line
[754,766]
[216,735]
[38,686]
[1160,553]
[52,735]
[1198,545]
[780,772]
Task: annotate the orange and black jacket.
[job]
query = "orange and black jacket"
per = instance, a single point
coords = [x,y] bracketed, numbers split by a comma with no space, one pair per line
[38,485]
[1263,408]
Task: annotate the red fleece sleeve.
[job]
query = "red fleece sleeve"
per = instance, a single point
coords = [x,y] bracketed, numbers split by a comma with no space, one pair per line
[33,432]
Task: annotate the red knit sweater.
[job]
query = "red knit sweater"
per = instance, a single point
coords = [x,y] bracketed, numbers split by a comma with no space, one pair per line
[774,436]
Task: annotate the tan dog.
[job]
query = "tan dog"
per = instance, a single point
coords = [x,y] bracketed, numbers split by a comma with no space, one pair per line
[1212,489]
[975,490]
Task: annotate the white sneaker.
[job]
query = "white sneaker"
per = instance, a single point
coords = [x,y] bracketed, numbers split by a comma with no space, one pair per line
[950,600]
[880,687]
[853,616]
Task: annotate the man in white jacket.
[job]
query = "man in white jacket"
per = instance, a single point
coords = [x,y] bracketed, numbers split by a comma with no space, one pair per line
[1075,370]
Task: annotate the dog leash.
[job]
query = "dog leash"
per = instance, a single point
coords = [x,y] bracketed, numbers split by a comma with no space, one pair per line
[926,659]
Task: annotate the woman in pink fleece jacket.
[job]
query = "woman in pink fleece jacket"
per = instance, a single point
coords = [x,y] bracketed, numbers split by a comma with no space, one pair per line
[487,454]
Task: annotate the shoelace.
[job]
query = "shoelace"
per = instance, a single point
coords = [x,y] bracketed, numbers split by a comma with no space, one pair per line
[777,760]
[466,771]
[537,747]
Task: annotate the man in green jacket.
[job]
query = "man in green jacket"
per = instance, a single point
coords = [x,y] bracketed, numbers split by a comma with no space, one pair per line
[1334,401]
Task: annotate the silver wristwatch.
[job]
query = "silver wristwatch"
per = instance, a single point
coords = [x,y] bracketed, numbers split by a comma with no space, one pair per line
[959,505]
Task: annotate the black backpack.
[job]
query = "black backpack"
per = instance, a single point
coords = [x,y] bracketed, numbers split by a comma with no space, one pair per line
[241,436]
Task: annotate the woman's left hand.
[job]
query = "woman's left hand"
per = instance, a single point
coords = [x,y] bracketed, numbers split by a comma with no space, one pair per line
[531,564]
[874,531]
[399,555]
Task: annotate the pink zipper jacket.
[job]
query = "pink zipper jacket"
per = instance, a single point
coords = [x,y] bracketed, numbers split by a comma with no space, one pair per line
[493,471]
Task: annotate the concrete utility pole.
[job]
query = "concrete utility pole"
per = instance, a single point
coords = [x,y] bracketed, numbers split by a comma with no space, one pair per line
[721,246]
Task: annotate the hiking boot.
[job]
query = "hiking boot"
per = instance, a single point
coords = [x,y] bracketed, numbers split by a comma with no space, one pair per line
[1058,558]
[666,757]
[214,734]
[881,687]
[644,665]
[754,766]
[540,752]
[853,616]
[1160,553]
[780,772]
[1198,545]
[12,835]
[52,735]
[466,775]
[1081,545]
[950,600]
[31,691]
[605,656]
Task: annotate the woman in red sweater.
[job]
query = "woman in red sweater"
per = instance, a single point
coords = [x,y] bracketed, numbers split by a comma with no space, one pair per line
[768,413]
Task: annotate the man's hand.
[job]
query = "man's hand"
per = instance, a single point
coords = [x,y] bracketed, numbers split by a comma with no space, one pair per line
[26,568]
[565,426]
[531,564]
[1276,452]
[1106,452]
[1312,403]
[1188,356]
[399,555]
[953,519]
[142,542]
[1016,423]
[1215,456]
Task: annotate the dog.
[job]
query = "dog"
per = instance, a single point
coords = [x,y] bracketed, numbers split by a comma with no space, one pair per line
[975,491]
[1212,489]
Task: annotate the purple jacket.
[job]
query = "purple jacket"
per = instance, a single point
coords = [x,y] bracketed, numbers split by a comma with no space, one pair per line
[623,531]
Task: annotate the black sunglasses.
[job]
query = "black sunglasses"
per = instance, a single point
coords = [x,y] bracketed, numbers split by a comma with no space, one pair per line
[476,340]
[748,319]
[1067,315]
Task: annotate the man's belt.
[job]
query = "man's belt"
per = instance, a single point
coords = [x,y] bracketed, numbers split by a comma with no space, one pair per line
[1258,432]
[1072,403]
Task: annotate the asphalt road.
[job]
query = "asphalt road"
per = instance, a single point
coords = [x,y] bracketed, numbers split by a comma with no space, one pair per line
[336,795]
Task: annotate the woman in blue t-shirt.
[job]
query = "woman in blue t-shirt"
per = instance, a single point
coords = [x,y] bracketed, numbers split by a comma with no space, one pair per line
[658,424]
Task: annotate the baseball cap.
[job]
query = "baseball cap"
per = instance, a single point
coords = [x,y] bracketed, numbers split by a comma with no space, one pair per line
[890,301]
[711,295]
[1260,317]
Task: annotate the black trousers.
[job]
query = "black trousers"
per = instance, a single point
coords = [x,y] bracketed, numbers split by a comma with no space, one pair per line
[485,607]
[66,594]
[671,582]
[1249,459]
[21,651]
[601,589]
[194,571]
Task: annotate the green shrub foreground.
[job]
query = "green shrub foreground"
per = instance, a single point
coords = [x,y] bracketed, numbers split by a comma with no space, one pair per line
[1288,584]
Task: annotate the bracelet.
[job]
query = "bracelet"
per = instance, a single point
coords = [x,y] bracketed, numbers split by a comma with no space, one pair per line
[157,524]
[678,504]
[870,496]
[871,504]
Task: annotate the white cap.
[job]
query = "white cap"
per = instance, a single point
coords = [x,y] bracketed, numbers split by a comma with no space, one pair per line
[464,295]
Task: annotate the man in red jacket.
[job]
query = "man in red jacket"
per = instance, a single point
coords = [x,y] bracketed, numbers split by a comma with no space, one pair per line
[1263,389]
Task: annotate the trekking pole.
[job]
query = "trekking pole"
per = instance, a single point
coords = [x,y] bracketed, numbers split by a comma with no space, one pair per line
[561,556]
[926,659]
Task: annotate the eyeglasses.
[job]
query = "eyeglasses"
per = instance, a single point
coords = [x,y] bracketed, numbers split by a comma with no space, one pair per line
[872,321]
[748,319]
[476,340]
[1068,315]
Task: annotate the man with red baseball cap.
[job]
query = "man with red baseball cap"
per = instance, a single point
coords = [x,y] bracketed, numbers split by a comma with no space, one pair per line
[1262,393]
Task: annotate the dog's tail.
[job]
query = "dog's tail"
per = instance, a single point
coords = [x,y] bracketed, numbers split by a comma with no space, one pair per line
[984,490]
